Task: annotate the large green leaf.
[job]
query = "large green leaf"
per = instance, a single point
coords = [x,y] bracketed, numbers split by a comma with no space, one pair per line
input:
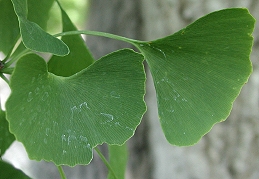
[9,28]
[61,119]
[6,138]
[118,161]
[79,56]
[199,71]
[7,171]
[33,36]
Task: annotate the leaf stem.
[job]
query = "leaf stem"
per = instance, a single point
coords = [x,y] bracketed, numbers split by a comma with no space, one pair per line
[17,57]
[61,172]
[102,34]
[7,70]
[4,78]
[11,51]
[105,161]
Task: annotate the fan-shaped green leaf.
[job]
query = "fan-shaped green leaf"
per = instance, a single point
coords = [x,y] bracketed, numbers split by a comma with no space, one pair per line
[79,56]
[199,71]
[33,36]
[9,27]
[6,138]
[7,171]
[61,119]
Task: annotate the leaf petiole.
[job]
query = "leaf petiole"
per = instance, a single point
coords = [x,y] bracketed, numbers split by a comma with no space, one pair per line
[105,161]
[17,57]
[7,70]
[102,34]
[4,78]
[61,172]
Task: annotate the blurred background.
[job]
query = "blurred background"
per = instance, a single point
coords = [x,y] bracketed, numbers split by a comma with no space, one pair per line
[229,151]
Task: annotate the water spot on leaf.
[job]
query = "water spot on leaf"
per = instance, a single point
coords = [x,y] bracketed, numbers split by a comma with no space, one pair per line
[160,51]
[45,96]
[83,139]
[117,124]
[39,78]
[108,118]
[73,110]
[36,91]
[47,131]
[128,128]
[88,146]
[114,94]
[84,104]
[183,99]
[63,137]
[30,97]
[33,80]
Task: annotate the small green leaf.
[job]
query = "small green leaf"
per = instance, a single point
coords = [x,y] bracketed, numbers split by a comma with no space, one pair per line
[199,71]
[6,138]
[33,36]
[118,160]
[9,27]
[7,171]
[61,119]
[79,56]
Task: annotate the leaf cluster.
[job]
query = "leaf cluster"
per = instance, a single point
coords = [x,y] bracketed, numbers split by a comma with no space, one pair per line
[63,108]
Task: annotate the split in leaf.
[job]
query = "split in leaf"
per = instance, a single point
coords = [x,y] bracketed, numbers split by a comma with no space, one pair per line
[199,71]
[79,56]
[61,119]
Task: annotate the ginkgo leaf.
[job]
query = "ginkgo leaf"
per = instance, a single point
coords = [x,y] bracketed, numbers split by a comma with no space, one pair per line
[38,12]
[199,71]
[9,27]
[8,171]
[118,160]
[79,56]
[61,119]
[33,36]
[6,138]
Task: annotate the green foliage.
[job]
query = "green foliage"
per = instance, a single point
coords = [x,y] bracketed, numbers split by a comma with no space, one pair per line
[8,171]
[33,36]
[67,66]
[118,160]
[90,106]
[199,71]
[6,138]
[61,109]
[9,29]
[38,11]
